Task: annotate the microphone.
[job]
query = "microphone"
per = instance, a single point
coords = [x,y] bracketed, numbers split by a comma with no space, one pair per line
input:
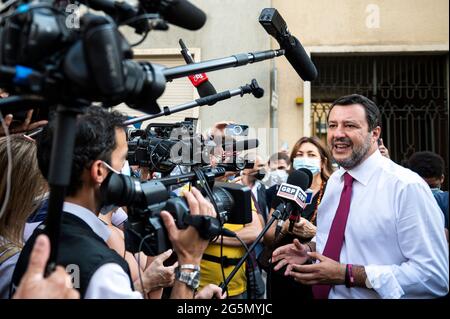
[300,61]
[200,80]
[275,25]
[294,192]
[178,12]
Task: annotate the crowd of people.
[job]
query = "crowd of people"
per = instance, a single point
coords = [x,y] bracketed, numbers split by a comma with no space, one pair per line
[372,229]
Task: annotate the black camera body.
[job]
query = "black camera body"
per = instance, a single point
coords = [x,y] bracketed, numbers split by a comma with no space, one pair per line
[163,146]
[180,130]
[92,63]
[145,231]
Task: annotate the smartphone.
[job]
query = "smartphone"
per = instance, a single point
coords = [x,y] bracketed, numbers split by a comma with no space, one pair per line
[379,141]
[236,130]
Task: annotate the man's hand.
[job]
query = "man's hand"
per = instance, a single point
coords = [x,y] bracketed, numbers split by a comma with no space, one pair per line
[304,229]
[219,128]
[187,243]
[210,291]
[33,284]
[383,149]
[328,271]
[294,253]
[157,275]
[23,127]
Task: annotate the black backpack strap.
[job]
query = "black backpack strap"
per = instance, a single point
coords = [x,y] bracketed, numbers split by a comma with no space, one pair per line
[227,262]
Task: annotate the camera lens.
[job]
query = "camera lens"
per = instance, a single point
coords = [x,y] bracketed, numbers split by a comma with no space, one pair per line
[237,130]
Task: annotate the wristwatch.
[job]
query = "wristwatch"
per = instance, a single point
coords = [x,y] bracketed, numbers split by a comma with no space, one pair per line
[190,278]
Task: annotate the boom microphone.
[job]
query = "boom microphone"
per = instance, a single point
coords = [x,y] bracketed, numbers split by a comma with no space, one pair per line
[275,25]
[300,61]
[181,13]
[200,80]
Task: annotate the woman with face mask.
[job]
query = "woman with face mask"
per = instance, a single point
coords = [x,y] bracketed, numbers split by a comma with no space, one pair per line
[309,153]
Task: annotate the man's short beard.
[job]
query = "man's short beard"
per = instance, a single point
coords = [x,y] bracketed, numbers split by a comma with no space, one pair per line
[358,154]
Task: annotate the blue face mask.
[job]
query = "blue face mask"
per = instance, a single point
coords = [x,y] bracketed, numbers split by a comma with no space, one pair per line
[313,164]
[435,190]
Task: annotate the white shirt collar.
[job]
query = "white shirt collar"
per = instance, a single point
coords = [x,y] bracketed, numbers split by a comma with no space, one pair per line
[364,171]
[89,218]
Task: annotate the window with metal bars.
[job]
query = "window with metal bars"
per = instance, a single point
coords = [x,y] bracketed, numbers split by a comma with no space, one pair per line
[411,91]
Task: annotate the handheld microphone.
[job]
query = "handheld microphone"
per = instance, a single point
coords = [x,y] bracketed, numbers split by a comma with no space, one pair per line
[200,80]
[181,13]
[294,192]
[274,24]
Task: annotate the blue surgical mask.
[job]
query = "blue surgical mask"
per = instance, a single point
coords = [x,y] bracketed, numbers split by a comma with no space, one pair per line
[435,190]
[313,164]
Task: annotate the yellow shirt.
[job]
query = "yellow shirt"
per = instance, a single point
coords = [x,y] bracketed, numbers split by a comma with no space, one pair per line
[211,272]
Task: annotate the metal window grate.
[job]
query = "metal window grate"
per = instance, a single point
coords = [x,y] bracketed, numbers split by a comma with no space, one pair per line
[411,91]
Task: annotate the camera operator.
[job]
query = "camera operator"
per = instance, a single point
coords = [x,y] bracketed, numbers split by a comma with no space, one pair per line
[232,250]
[101,143]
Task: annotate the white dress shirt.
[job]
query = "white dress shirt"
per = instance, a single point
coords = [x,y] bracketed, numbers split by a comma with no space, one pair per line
[119,217]
[109,281]
[394,229]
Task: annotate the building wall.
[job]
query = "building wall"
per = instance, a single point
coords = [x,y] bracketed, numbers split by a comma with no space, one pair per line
[232,27]
[353,24]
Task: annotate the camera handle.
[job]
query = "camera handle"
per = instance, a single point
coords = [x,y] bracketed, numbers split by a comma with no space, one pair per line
[59,174]
[276,215]
[236,60]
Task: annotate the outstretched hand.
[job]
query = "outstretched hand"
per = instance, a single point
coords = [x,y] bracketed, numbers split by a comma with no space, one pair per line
[23,127]
[294,253]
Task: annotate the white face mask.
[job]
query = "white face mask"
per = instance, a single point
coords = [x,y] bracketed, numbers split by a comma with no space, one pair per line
[313,164]
[126,170]
[276,177]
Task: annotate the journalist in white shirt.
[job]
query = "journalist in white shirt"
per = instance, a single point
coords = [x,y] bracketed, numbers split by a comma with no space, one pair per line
[394,236]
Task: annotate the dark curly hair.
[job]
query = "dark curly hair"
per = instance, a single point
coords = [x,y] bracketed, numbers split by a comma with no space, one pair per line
[95,139]
[427,164]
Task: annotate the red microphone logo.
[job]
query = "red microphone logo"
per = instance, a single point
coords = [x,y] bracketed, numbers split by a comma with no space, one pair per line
[198,79]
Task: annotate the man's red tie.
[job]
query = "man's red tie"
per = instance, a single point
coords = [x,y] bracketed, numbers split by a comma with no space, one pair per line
[336,236]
